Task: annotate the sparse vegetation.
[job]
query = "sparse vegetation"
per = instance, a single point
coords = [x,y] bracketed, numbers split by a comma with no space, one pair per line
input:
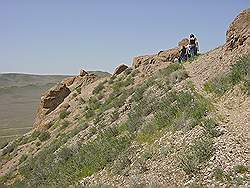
[89,158]
[64,114]
[44,136]
[98,88]
[239,73]
[65,124]
[196,154]
[23,158]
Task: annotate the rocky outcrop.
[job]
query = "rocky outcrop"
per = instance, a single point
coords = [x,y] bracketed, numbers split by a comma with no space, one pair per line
[50,101]
[120,69]
[238,32]
[69,81]
[162,56]
[183,42]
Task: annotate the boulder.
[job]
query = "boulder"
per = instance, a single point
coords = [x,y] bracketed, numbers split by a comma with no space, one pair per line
[50,101]
[54,97]
[238,31]
[120,69]
[83,72]
[162,56]
[69,81]
[183,42]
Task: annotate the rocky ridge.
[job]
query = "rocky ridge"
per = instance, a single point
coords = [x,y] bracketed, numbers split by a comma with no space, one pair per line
[81,110]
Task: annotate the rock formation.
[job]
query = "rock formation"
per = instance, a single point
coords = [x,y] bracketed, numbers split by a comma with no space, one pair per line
[50,101]
[120,69]
[83,72]
[238,32]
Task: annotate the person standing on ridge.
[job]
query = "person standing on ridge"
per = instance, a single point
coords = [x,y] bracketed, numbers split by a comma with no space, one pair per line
[193,45]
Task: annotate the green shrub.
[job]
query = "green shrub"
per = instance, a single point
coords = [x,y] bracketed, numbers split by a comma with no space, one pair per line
[198,153]
[65,154]
[169,69]
[98,88]
[210,127]
[120,164]
[241,169]
[178,76]
[65,124]
[44,136]
[114,115]
[89,113]
[148,154]
[218,174]
[38,144]
[23,158]
[94,103]
[89,158]
[78,90]
[64,114]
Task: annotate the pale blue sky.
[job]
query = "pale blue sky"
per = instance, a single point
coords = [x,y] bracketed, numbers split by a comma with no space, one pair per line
[63,36]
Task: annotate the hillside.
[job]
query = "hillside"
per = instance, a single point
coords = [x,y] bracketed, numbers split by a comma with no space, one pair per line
[19,98]
[154,124]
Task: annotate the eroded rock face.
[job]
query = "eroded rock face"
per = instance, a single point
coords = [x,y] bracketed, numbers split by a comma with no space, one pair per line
[50,101]
[238,31]
[120,69]
[162,56]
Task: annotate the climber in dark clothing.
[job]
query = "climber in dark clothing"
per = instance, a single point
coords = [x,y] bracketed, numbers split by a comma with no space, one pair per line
[193,45]
[183,54]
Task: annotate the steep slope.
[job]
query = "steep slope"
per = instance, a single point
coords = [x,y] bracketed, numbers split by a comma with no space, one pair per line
[156,124]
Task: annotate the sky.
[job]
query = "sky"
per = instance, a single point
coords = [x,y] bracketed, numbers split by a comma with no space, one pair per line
[64,36]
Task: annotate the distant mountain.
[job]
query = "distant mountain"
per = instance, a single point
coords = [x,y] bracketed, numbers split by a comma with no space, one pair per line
[16,79]
[19,79]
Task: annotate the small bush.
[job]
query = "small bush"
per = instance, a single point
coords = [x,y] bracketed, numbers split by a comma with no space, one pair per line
[65,154]
[65,124]
[148,154]
[44,136]
[98,88]
[89,113]
[198,153]
[114,115]
[177,76]
[210,127]
[241,169]
[64,114]
[38,144]
[120,164]
[23,158]
[78,90]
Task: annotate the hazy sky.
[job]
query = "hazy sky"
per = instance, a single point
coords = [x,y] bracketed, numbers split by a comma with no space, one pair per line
[62,36]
